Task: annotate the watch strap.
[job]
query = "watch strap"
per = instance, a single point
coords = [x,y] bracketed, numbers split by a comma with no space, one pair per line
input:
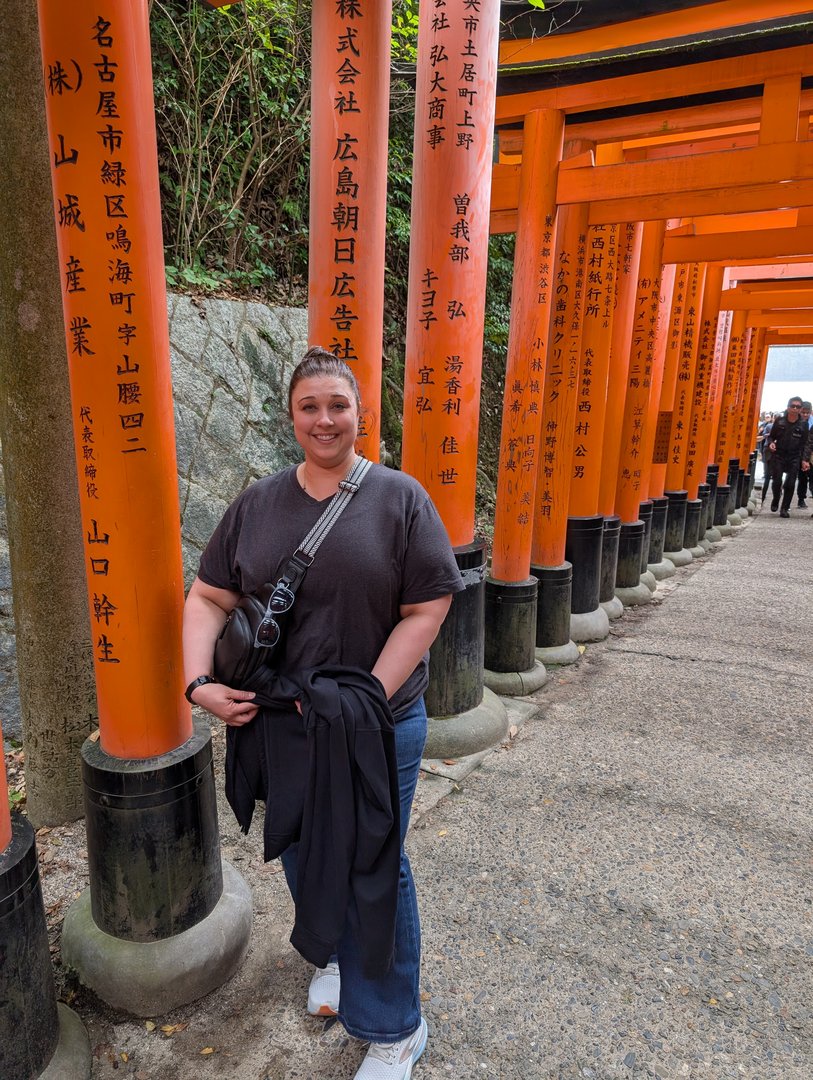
[201,680]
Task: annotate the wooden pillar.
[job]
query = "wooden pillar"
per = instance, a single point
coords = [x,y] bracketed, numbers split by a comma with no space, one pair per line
[730,389]
[718,378]
[700,415]
[663,419]
[101,124]
[527,346]
[626,278]
[752,411]
[561,383]
[451,192]
[642,351]
[601,258]
[685,380]
[348,189]
[654,489]
[748,386]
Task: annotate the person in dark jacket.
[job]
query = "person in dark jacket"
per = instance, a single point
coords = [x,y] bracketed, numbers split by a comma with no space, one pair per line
[373,599]
[804,474]
[787,441]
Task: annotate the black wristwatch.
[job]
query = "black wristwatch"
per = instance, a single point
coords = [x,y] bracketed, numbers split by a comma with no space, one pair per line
[201,680]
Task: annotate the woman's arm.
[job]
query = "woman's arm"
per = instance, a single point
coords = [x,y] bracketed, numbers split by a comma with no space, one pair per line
[409,640]
[204,614]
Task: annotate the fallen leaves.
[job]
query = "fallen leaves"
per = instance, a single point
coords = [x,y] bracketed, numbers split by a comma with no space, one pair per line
[171,1029]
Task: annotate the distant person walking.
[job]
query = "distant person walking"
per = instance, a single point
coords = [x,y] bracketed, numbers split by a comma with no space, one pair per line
[804,474]
[788,443]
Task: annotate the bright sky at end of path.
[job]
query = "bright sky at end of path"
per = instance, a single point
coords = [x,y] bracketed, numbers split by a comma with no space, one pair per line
[790,371]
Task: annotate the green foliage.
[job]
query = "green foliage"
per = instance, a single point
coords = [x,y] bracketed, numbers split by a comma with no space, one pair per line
[232,91]
[232,111]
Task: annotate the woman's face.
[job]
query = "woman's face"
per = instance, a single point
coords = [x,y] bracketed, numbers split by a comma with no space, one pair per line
[326,419]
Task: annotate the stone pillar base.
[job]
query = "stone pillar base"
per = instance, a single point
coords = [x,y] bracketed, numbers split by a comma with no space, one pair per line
[661,570]
[614,608]
[466,733]
[154,977]
[734,519]
[725,530]
[71,1060]
[559,654]
[713,535]
[634,596]
[679,558]
[516,683]
[649,579]
[589,625]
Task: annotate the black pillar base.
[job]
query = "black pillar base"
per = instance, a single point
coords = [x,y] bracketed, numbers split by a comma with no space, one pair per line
[691,531]
[609,558]
[675,521]
[703,493]
[510,624]
[645,511]
[583,551]
[629,588]
[721,505]
[553,605]
[733,483]
[630,543]
[745,483]
[752,471]
[657,536]
[153,839]
[458,653]
[29,1025]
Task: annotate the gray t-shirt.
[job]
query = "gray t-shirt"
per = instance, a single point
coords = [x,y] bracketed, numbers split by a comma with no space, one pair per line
[388,548]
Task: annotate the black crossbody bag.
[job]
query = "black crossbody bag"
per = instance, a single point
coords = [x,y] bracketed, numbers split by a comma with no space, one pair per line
[253,631]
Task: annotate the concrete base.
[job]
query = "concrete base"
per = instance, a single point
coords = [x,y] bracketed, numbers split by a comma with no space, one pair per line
[516,683]
[154,977]
[752,506]
[634,596]
[724,530]
[706,545]
[479,728]
[614,608]
[589,625]
[734,519]
[713,535]
[698,552]
[679,558]
[743,512]
[649,579]
[559,654]
[661,570]
[71,1060]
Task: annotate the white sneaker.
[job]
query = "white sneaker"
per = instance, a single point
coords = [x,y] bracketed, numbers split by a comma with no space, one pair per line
[394,1061]
[323,992]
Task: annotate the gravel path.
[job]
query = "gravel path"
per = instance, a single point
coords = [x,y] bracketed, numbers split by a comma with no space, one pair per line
[622,891]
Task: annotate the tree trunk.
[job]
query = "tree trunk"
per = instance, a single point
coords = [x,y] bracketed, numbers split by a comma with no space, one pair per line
[54,660]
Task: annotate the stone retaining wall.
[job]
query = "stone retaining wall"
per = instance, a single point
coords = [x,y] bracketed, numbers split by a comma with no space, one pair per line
[231,361]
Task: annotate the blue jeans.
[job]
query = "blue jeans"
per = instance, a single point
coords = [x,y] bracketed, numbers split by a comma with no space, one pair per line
[388,1008]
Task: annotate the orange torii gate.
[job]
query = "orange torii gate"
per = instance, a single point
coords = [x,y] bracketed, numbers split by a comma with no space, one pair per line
[734,172]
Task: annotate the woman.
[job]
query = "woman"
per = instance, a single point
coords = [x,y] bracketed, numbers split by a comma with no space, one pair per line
[374,598]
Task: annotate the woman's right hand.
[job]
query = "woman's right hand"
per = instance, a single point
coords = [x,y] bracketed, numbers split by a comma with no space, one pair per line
[233,707]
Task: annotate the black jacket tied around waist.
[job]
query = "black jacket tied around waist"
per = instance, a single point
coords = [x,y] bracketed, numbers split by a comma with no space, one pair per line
[329,780]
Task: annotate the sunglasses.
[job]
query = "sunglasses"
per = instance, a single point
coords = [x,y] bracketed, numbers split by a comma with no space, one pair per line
[268,632]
